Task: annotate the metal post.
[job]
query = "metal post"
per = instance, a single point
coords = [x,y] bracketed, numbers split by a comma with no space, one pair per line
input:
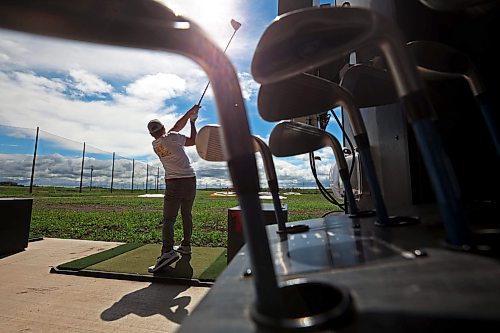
[81,173]
[157,179]
[133,169]
[34,158]
[147,175]
[91,172]
[112,172]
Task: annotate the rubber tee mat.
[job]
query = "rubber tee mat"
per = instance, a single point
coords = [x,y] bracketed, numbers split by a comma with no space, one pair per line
[131,262]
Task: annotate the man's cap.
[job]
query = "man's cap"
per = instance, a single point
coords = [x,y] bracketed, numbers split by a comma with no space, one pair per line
[154,126]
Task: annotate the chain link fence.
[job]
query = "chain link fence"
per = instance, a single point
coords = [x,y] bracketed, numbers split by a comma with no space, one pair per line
[33,157]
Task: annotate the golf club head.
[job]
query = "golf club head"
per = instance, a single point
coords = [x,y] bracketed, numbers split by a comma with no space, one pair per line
[369,86]
[451,5]
[290,138]
[305,95]
[298,96]
[210,144]
[304,39]
[235,24]
[108,22]
[439,61]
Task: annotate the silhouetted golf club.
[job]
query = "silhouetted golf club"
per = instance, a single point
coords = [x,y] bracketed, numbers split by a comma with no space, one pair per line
[304,39]
[437,61]
[290,138]
[451,5]
[306,94]
[236,25]
[150,25]
[369,86]
[210,147]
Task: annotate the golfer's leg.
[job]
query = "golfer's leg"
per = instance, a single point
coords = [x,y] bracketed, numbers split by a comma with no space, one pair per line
[186,209]
[171,204]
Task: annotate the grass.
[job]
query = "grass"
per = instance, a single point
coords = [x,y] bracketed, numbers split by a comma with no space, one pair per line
[122,216]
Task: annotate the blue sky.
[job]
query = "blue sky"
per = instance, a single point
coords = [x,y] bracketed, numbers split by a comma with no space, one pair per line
[106,95]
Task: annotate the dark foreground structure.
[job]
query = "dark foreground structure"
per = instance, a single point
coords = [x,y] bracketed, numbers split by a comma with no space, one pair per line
[433,269]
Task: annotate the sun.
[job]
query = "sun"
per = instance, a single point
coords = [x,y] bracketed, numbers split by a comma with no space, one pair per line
[213,16]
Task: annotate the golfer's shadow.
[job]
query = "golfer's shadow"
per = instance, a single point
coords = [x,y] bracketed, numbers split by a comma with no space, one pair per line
[157,298]
[180,269]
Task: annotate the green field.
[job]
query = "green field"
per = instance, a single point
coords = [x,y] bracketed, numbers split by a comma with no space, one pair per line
[122,216]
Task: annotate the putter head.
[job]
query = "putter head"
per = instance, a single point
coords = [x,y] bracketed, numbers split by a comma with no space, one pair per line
[210,144]
[298,96]
[369,86]
[305,39]
[292,138]
[439,61]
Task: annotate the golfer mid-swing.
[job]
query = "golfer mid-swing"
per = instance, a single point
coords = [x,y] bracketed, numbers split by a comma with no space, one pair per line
[181,184]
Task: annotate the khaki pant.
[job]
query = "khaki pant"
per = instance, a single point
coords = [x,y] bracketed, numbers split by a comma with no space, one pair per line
[180,193]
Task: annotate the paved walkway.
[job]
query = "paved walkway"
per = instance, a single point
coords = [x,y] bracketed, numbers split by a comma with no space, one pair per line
[34,300]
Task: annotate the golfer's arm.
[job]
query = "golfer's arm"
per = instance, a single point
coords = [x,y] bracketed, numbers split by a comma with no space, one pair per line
[179,125]
[191,141]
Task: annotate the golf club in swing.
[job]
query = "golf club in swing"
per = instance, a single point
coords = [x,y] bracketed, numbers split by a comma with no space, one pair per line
[305,39]
[306,94]
[236,25]
[148,24]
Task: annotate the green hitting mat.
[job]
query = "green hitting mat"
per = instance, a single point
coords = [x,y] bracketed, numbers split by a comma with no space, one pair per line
[131,262]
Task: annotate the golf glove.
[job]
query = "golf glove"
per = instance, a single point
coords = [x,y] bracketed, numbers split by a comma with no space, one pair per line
[193,116]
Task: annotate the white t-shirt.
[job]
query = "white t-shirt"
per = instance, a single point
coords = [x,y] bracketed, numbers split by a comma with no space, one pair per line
[170,150]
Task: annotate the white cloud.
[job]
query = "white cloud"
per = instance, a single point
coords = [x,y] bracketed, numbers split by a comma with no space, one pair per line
[156,89]
[249,88]
[89,83]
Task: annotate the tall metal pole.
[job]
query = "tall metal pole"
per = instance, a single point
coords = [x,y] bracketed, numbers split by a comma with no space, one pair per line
[81,173]
[91,172]
[34,159]
[147,175]
[133,169]
[112,172]
[157,179]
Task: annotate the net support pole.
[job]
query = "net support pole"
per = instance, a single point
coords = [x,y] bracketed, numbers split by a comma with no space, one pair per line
[81,172]
[34,160]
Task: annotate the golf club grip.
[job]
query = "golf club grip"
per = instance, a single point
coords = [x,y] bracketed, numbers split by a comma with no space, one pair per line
[273,188]
[344,175]
[371,176]
[444,182]
[417,106]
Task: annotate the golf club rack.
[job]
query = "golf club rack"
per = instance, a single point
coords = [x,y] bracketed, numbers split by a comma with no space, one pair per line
[425,256]
[428,259]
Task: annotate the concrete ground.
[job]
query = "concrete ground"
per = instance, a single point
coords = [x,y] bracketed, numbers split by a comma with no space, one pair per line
[34,300]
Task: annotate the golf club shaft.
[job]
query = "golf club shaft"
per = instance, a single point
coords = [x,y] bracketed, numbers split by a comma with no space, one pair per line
[204,91]
[490,119]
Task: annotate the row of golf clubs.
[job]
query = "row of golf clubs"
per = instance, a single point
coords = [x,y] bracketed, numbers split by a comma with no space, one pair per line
[291,46]
[364,85]
[294,44]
